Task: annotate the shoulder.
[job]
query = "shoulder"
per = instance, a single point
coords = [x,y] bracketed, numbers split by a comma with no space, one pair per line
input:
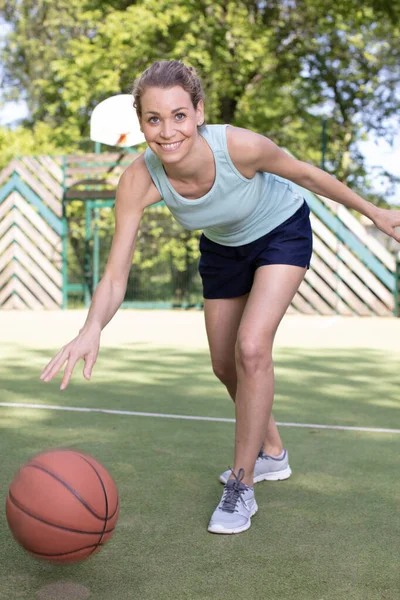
[136,183]
[245,149]
[252,152]
[243,141]
[214,134]
[151,160]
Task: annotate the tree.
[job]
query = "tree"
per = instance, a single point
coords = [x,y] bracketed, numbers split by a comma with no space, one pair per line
[26,141]
[349,57]
[278,67]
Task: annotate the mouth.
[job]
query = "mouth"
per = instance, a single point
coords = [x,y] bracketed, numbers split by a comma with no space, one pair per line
[172,146]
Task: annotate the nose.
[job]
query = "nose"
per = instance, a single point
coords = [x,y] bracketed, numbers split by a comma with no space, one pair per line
[167,130]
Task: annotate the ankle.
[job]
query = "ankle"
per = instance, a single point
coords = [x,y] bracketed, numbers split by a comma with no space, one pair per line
[247,479]
[272,450]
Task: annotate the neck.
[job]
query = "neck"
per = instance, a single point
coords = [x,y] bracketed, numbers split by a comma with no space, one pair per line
[190,167]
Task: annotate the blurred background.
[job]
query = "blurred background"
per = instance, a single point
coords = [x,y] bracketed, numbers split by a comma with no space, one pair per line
[309,74]
[320,79]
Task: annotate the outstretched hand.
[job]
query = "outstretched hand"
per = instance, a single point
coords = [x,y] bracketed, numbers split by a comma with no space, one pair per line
[386,220]
[85,346]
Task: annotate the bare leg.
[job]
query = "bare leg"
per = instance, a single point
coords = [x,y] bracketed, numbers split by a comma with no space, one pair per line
[272,443]
[222,323]
[273,289]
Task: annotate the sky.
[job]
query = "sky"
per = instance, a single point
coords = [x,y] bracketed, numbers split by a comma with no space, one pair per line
[380,153]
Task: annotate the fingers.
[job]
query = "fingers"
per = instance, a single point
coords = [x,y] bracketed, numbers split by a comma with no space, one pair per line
[90,360]
[395,235]
[72,360]
[52,368]
[71,357]
[390,224]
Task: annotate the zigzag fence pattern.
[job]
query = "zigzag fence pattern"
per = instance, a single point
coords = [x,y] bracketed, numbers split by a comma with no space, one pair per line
[351,272]
[31,193]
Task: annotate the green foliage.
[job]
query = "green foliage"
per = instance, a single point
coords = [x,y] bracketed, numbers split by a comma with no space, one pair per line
[165,261]
[165,249]
[277,67]
[25,141]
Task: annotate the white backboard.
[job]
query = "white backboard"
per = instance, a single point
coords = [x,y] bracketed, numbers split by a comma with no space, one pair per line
[114,122]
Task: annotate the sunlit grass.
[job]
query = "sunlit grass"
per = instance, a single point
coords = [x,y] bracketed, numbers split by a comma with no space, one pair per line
[330,532]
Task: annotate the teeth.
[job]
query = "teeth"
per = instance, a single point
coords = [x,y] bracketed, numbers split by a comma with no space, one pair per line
[170,146]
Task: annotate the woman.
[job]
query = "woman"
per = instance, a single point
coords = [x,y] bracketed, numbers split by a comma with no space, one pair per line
[236,185]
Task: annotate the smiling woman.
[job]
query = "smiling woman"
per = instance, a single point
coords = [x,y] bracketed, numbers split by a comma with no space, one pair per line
[238,187]
[170,122]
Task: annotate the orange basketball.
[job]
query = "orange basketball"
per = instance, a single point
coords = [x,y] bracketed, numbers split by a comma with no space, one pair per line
[62,506]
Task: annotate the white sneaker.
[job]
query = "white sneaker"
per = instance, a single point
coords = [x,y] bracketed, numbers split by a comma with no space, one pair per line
[267,468]
[237,506]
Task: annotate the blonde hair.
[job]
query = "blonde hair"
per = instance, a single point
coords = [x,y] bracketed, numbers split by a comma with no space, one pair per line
[168,74]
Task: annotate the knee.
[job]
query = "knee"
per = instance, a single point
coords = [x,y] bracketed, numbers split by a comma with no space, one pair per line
[224,371]
[253,355]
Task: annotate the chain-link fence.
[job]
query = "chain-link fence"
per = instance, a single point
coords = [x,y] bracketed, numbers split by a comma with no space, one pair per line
[164,271]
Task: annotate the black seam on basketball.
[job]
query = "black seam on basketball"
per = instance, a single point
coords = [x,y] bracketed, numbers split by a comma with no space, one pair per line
[63,553]
[105,498]
[107,517]
[67,486]
[22,509]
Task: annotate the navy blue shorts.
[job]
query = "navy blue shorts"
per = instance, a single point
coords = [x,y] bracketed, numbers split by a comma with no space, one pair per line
[228,271]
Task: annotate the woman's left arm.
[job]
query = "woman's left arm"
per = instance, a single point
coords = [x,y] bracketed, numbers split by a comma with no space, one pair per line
[252,152]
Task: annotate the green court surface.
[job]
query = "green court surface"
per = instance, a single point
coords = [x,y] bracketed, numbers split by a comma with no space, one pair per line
[330,532]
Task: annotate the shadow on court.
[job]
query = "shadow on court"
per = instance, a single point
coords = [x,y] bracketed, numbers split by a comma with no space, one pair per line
[337,387]
[330,532]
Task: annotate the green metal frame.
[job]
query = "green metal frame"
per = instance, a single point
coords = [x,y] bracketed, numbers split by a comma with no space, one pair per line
[92,262]
[91,259]
[66,286]
[396,310]
[64,235]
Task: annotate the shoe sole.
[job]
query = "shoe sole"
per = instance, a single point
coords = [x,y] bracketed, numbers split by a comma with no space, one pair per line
[221,530]
[274,476]
[278,476]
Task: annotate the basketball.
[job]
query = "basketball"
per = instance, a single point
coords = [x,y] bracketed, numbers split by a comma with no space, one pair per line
[62,506]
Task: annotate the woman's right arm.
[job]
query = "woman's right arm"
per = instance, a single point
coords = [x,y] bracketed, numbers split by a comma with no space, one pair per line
[135,192]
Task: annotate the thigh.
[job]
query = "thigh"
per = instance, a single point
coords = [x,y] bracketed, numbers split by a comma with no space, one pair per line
[222,317]
[272,292]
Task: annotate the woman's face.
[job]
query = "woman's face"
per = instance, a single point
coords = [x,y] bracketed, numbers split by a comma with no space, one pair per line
[169,122]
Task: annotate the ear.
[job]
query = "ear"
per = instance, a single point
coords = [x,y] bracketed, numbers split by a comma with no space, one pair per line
[200,113]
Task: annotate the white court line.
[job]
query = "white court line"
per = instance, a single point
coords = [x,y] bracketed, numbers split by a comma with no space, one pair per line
[132,413]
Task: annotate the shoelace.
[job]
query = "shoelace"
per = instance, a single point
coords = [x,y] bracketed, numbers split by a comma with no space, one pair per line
[232,494]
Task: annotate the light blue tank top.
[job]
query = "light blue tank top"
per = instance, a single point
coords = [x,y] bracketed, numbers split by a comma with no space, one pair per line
[236,210]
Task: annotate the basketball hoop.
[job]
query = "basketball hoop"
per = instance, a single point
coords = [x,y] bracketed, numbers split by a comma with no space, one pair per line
[114,122]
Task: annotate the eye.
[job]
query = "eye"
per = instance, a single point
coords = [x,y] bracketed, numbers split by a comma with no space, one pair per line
[153,120]
[180,116]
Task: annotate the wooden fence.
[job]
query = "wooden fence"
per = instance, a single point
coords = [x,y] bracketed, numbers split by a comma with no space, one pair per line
[351,272]
[31,193]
